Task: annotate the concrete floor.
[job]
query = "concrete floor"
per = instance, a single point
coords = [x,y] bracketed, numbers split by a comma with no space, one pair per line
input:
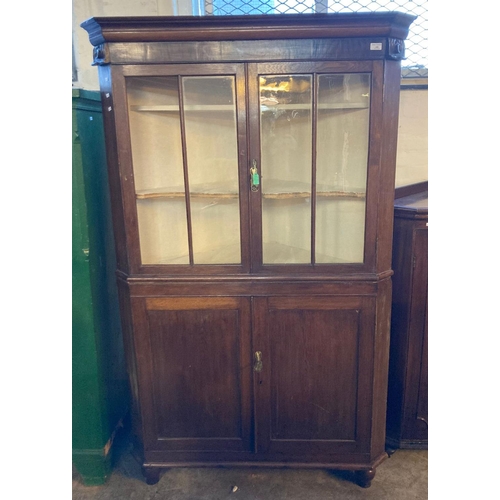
[403,476]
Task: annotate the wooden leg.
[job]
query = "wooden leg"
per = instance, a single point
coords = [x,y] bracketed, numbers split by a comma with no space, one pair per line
[152,474]
[364,477]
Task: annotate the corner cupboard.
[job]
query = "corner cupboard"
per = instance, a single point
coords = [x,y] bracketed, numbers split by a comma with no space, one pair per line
[251,164]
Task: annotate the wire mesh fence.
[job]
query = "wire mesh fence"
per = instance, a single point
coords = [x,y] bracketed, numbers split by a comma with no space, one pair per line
[415,64]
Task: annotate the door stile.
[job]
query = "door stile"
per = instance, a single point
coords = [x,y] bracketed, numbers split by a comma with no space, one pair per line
[243,139]
[245,381]
[254,153]
[145,377]
[125,167]
[261,379]
[374,164]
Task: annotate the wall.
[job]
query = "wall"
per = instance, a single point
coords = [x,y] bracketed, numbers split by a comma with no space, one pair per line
[411,163]
[412,149]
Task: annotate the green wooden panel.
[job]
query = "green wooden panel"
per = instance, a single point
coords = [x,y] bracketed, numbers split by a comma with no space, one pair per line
[100,389]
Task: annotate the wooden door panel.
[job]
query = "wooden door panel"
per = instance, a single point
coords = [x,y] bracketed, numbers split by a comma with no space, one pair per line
[308,350]
[314,384]
[198,376]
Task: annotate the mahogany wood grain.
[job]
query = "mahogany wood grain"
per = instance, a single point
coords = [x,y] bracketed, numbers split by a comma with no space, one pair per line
[312,49]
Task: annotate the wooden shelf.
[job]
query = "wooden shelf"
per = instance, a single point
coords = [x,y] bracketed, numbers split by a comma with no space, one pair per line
[208,190]
[221,255]
[181,194]
[320,194]
[277,190]
[267,196]
[286,254]
[329,106]
[274,253]
[172,108]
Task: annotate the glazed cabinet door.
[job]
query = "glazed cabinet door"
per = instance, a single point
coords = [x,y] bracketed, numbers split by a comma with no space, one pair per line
[316,358]
[310,157]
[194,372]
[183,137]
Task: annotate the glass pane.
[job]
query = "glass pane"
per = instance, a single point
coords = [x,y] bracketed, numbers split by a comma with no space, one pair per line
[158,169]
[212,158]
[286,169]
[341,167]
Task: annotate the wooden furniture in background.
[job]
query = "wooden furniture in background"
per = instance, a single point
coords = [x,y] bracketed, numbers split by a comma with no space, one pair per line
[251,163]
[407,417]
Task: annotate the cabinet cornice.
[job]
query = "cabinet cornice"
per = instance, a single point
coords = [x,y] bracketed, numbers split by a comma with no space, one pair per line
[263,27]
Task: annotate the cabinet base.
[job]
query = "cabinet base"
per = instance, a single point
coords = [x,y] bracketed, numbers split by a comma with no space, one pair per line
[362,477]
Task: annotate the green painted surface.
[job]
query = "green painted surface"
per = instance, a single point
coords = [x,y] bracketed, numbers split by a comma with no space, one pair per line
[100,389]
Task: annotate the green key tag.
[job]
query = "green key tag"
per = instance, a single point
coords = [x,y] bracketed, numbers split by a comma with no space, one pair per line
[255,178]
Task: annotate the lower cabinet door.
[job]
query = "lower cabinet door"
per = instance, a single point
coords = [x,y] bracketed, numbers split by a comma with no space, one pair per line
[314,381]
[195,372]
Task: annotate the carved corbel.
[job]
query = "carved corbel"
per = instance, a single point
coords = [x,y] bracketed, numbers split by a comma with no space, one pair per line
[396,49]
[101,55]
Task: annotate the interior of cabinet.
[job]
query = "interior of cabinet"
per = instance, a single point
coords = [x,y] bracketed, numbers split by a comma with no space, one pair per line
[186,178]
[314,132]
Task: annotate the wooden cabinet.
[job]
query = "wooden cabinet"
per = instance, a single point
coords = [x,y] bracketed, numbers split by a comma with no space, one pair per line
[407,417]
[251,164]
